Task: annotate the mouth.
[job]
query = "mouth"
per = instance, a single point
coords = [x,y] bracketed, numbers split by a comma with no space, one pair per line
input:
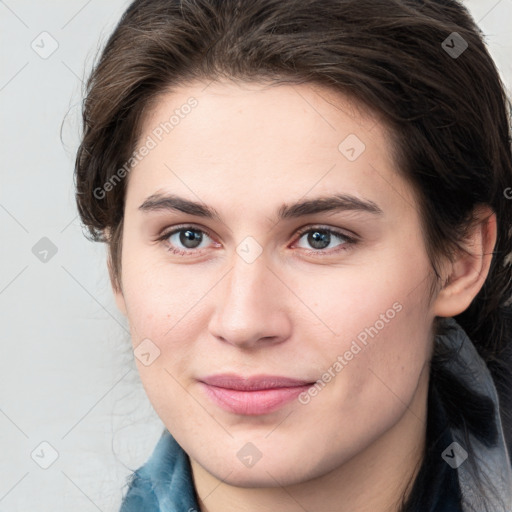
[251,396]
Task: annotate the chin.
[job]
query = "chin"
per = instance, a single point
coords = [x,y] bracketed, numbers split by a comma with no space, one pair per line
[266,472]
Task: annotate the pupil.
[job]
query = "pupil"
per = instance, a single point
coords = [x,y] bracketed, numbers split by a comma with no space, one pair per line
[317,239]
[190,237]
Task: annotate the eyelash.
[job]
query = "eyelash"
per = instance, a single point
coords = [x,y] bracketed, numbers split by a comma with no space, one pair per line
[348,244]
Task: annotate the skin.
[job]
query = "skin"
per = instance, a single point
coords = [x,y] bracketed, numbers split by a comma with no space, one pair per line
[245,150]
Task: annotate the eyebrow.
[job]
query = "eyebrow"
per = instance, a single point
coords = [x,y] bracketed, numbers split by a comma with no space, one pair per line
[334,203]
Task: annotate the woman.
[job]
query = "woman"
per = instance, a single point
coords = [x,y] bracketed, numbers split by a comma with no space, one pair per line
[309,233]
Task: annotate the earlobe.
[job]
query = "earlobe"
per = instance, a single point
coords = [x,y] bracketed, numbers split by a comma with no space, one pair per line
[469,268]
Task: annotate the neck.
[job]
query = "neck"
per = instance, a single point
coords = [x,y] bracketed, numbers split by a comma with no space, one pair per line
[375,480]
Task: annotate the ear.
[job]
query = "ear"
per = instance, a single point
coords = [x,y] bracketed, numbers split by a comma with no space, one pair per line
[466,274]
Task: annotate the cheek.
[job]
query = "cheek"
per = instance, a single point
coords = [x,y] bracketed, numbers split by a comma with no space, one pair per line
[379,333]
[162,298]
[369,374]
[364,301]
[166,305]
[386,348]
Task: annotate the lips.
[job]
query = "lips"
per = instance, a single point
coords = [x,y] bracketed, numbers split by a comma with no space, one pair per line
[255,382]
[254,395]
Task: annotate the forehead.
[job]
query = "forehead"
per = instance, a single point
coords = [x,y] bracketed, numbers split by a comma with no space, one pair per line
[280,115]
[257,140]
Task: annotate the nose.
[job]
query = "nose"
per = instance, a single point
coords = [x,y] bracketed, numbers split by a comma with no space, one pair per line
[251,307]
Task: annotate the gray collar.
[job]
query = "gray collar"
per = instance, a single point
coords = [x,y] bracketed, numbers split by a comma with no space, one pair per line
[494,461]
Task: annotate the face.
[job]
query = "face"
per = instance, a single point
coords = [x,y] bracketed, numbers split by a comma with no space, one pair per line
[333,293]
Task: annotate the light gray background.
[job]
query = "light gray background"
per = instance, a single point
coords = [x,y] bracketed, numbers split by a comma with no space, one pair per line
[67,375]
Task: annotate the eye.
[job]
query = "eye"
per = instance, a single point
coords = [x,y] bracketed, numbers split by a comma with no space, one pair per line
[321,238]
[188,240]
[185,239]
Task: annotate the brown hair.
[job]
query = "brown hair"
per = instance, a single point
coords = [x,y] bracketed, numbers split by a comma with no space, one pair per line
[448,114]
